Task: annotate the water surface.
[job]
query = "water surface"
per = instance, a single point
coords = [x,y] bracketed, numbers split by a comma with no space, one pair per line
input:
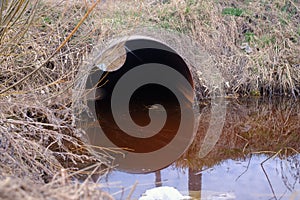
[240,179]
[256,157]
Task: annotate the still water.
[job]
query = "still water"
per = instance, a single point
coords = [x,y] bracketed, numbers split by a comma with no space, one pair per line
[231,179]
[256,157]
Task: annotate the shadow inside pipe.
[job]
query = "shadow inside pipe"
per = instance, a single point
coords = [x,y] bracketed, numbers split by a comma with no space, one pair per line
[162,96]
[142,100]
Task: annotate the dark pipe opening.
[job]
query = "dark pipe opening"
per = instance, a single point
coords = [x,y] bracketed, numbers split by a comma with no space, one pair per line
[144,97]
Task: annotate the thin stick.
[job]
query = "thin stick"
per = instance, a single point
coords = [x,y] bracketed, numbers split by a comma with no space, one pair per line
[270,184]
[245,169]
[262,166]
[132,190]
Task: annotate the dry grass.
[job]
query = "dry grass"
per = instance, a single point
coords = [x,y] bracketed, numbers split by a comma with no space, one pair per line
[270,29]
[14,188]
[39,142]
[38,136]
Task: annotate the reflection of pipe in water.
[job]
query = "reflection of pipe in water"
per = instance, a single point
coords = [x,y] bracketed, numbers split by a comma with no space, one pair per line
[195,183]
[150,75]
[133,74]
[158,181]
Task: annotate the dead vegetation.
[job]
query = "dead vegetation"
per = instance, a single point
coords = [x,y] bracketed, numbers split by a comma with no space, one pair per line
[15,188]
[255,44]
[39,143]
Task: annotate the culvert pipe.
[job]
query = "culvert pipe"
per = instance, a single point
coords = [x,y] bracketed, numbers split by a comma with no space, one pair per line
[141,100]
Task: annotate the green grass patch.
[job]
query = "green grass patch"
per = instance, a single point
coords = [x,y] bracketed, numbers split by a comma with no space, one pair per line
[266,40]
[249,37]
[232,11]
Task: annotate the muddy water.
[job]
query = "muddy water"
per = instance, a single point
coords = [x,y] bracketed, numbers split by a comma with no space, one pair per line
[256,157]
